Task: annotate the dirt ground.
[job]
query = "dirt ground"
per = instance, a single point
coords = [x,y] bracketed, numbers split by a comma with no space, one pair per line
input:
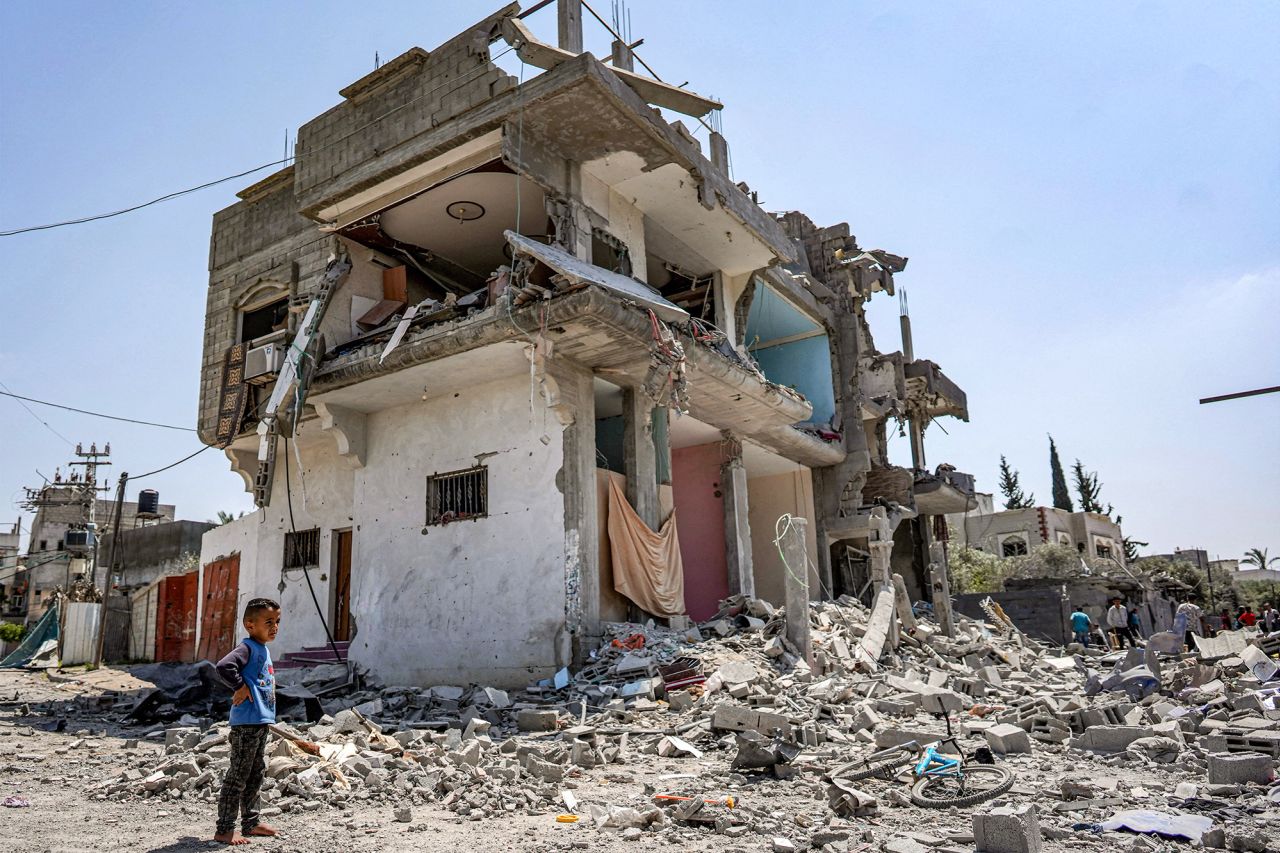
[54,769]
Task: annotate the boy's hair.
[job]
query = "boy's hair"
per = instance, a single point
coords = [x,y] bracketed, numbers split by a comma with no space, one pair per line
[257,605]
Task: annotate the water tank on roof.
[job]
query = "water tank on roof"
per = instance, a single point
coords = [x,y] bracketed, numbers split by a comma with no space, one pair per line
[148,503]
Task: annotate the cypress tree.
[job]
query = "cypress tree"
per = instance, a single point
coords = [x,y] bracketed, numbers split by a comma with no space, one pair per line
[1012,489]
[1061,497]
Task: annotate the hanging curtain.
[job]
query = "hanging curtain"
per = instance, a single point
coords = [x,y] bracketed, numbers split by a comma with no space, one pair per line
[646,565]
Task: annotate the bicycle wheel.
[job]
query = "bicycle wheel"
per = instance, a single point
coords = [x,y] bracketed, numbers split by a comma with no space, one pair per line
[980,782]
[886,769]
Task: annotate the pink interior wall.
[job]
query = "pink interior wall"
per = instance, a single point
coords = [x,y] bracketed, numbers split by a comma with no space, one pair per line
[695,481]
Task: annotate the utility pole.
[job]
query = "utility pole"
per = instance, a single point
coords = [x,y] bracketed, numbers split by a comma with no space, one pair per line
[111,565]
[91,459]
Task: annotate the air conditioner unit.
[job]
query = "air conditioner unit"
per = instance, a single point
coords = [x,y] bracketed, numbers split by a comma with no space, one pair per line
[261,364]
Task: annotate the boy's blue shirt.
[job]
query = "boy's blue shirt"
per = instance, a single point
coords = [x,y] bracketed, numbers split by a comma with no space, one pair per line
[1079,621]
[250,664]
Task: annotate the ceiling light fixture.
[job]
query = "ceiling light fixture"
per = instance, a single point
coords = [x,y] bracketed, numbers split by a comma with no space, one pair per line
[465,211]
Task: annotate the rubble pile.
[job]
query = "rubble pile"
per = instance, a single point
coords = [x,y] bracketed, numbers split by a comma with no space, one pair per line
[747,721]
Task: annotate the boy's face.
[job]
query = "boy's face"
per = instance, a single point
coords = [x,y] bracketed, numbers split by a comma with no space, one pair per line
[263,625]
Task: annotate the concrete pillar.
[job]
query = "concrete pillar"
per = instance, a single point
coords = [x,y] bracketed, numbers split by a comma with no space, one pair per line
[940,584]
[577,483]
[639,456]
[797,587]
[719,152]
[880,544]
[569,24]
[737,529]
[659,417]
[622,56]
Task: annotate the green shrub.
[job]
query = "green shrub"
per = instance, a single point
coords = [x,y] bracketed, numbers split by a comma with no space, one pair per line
[11,632]
[976,571]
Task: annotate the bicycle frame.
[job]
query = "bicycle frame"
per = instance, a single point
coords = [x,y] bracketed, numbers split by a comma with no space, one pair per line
[933,764]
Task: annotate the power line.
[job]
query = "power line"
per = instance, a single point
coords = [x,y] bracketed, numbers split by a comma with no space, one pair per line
[37,417]
[15,231]
[94,414]
[125,210]
[171,465]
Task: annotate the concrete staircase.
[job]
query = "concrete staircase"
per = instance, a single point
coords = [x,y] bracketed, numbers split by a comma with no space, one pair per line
[314,656]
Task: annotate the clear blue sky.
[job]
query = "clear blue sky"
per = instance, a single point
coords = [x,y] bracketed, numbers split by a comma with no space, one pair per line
[1088,193]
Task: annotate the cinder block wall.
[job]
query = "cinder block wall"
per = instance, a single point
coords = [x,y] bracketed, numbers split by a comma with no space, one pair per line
[264,241]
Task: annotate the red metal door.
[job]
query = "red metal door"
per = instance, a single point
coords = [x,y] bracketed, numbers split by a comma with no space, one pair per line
[218,615]
[176,639]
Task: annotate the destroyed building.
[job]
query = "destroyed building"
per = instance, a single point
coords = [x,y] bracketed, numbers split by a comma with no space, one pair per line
[483,337]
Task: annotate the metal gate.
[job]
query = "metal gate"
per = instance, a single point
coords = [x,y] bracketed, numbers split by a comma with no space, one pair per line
[176,637]
[218,613]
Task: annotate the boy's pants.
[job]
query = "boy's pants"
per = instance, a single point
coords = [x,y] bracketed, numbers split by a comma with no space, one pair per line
[244,778]
[1082,637]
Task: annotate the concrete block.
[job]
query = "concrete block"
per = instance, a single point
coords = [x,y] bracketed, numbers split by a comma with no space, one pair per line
[894,737]
[1004,738]
[184,738]
[1110,738]
[536,720]
[1007,830]
[1237,768]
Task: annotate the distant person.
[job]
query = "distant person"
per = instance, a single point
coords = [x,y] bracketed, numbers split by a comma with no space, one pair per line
[1247,618]
[1270,618]
[1135,624]
[1188,621]
[1080,626]
[249,672]
[1225,620]
[1118,624]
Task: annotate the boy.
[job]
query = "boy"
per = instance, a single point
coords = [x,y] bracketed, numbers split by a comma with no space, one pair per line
[1080,626]
[248,671]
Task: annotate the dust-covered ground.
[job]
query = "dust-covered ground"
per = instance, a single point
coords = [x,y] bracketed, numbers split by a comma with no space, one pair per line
[56,771]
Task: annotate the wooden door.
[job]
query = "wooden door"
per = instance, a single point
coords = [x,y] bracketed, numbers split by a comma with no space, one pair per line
[342,587]
[218,613]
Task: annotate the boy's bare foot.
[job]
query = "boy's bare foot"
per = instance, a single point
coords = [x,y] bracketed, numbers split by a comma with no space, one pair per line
[261,829]
[232,837]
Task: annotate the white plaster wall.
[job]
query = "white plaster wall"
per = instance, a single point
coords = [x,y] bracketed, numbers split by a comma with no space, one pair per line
[321,497]
[475,600]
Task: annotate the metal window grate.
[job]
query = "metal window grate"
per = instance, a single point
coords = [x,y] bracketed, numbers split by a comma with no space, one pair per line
[458,495]
[302,548]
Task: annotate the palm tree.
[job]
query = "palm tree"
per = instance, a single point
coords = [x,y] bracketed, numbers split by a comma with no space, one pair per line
[1258,557]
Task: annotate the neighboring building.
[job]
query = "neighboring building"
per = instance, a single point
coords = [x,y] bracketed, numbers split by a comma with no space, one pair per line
[1248,573]
[50,562]
[12,593]
[1014,532]
[595,301]
[157,550]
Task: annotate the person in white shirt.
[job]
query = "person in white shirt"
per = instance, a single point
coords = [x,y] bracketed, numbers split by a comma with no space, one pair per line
[1186,621]
[1118,624]
[1269,619]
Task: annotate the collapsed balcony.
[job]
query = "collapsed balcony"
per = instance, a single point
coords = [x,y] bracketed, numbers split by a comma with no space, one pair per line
[597,318]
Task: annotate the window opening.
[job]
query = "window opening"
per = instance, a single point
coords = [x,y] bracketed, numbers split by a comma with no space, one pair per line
[458,495]
[608,252]
[1013,548]
[302,548]
[259,322]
